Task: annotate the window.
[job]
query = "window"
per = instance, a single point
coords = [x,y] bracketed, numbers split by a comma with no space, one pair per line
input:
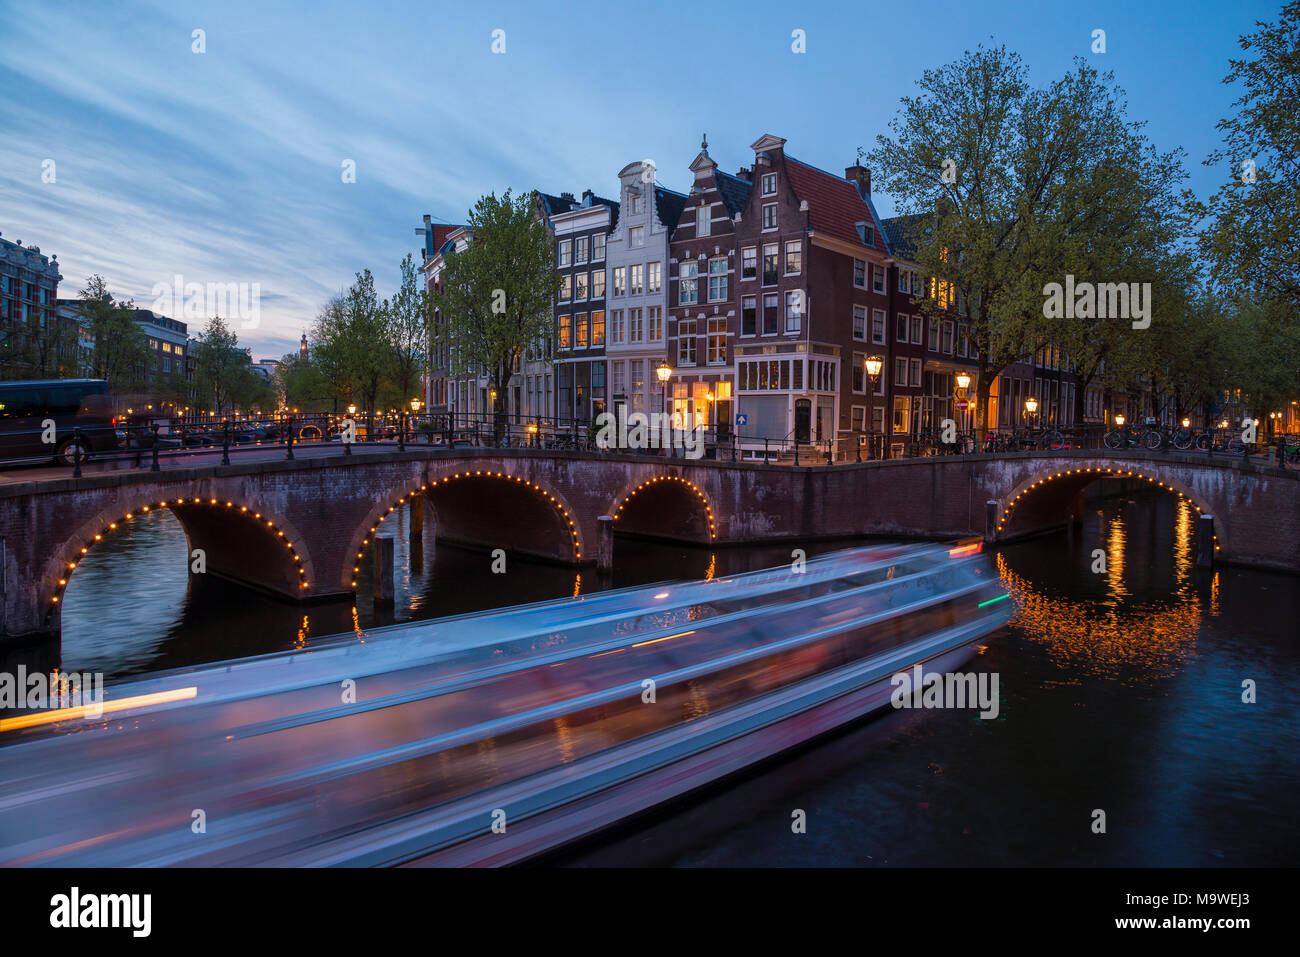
[688,282]
[877,278]
[566,252]
[748,316]
[916,330]
[620,281]
[947,337]
[580,249]
[860,323]
[566,287]
[769,216]
[860,273]
[638,384]
[859,372]
[580,286]
[718,279]
[878,326]
[961,340]
[597,328]
[620,378]
[656,324]
[566,331]
[749,262]
[900,371]
[580,325]
[717,344]
[635,201]
[616,331]
[900,413]
[598,375]
[636,237]
[771,305]
[793,311]
[902,280]
[900,328]
[686,342]
[703,220]
[598,247]
[598,284]
[654,278]
[793,258]
[635,326]
[769,264]
[868,235]
[934,335]
[916,372]
[916,282]
[769,184]
[636,283]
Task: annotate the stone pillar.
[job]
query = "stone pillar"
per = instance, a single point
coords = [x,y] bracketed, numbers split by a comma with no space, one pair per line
[605,543]
[381,559]
[1205,542]
[990,520]
[417,518]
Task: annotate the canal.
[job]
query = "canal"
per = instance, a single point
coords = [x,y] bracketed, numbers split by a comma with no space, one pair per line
[1120,686]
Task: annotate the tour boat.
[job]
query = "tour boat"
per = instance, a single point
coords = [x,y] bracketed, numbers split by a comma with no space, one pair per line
[484,739]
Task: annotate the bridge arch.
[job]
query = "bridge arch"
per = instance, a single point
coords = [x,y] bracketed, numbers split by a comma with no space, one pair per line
[1045,496]
[665,506]
[519,515]
[278,560]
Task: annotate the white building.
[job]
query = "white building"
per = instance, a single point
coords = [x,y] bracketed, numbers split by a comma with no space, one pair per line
[637,284]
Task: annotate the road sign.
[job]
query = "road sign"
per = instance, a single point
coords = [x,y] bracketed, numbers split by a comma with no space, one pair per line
[963,405]
[742,419]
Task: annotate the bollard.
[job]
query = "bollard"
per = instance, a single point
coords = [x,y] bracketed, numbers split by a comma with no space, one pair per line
[990,521]
[225,443]
[76,453]
[605,543]
[154,466]
[401,435]
[381,560]
[288,442]
[796,451]
[1205,542]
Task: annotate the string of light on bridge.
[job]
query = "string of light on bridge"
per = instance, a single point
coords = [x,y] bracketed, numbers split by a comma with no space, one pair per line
[566,517]
[708,509]
[303,584]
[1097,472]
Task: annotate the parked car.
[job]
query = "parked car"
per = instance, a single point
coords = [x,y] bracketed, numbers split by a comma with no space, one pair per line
[38,419]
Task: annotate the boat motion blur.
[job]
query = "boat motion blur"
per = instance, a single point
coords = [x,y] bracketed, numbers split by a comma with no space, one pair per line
[489,738]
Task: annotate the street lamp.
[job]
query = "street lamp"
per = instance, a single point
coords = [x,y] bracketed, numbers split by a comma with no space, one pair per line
[963,381]
[665,372]
[1119,420]
[873,365]
[1031,407]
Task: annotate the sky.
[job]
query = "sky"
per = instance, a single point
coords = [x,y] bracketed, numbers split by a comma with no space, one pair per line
[227,165]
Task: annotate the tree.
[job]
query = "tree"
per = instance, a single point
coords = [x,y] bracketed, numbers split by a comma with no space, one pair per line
[219,364]
[499,293]
[122,354]
[349,346]
[1254,217]
[1011,187]
[406,320]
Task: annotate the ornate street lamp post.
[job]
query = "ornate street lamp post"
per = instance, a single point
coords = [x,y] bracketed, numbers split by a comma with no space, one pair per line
[873,365]
[665,372]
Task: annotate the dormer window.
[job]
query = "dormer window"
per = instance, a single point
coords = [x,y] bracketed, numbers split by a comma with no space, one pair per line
[866,234]
[769,184]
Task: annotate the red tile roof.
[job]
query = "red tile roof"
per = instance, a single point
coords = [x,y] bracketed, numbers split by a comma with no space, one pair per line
[834,205]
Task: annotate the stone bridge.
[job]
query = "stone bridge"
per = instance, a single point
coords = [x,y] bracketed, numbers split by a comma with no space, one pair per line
[298,529]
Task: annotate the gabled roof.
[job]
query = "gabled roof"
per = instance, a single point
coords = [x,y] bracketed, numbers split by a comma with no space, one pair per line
[668,206]
[835,206]
[733,190]
[556,204]
[897,230]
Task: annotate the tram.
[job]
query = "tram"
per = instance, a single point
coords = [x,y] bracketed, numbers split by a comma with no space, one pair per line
[484,739]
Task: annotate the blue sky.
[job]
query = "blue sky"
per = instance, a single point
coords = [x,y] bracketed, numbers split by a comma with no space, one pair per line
[225,166]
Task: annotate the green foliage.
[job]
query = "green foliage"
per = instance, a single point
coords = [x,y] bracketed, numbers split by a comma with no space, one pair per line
[498,294]
[122,354]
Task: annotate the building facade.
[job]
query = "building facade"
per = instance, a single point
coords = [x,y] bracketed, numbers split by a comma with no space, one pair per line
[29,286]
[637,253]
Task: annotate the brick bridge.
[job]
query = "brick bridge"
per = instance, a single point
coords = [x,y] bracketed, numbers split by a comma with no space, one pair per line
[297,528]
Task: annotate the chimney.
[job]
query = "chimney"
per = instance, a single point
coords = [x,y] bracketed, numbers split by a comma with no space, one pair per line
[861,177]
[587,197]
[746,174]
[568,196]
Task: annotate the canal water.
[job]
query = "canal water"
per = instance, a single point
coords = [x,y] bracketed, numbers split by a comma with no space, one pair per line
[1120,691]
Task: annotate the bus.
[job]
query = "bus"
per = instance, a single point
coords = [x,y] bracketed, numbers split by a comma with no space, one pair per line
[39,419]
